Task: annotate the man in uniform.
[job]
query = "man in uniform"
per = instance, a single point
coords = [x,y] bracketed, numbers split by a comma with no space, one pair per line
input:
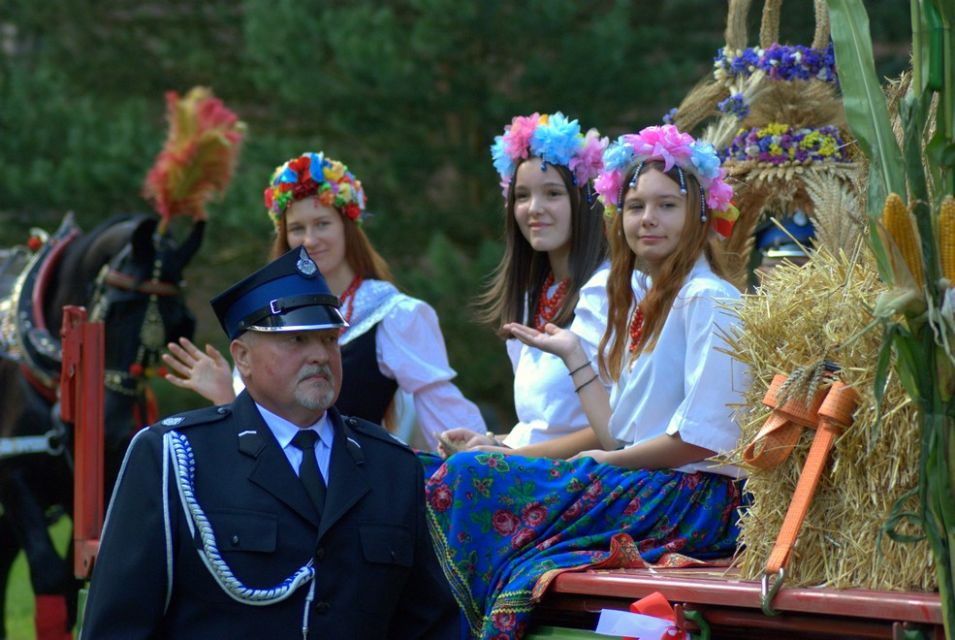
[274,516]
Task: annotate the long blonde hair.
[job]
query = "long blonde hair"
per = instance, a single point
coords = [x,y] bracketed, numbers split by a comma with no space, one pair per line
[695,240]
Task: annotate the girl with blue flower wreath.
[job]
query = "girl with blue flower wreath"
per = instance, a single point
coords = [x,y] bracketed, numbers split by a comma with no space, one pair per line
[393,346]
[553,270]
[504,526]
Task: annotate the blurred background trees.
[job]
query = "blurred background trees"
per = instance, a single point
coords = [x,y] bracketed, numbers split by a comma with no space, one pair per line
[409,93]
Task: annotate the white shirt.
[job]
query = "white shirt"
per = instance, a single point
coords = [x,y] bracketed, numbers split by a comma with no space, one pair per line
[284,431]
[687,384]
[411,350]
[544,397]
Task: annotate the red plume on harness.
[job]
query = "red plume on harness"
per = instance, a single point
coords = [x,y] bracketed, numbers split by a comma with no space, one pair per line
[198,157]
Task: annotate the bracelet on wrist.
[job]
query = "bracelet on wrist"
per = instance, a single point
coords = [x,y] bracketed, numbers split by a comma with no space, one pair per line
[580,368]
[582,385]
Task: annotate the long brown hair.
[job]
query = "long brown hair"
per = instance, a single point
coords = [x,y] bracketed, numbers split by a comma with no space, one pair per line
[695,239]
[360,255]
[518,279]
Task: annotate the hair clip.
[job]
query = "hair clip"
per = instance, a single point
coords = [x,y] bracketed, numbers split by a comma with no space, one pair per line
[543,165]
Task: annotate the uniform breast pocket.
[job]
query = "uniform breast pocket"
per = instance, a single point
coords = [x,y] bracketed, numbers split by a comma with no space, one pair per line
[388,553]
[246,542]
[386,544]
[248,531]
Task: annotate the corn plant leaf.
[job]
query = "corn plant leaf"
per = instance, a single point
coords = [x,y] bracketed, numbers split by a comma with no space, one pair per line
[899,516]
[941,151]
[866,110]
[881,380]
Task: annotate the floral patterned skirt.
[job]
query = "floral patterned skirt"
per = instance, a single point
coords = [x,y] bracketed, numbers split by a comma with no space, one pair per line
[500,523]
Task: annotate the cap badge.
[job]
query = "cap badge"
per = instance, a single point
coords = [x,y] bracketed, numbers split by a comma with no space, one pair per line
[305,265]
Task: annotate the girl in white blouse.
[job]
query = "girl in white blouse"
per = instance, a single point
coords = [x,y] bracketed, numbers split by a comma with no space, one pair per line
[664,345]
[393,341]
[553,270]
[505,524]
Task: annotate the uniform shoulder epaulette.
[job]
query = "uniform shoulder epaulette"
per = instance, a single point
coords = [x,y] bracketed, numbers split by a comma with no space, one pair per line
[205,415]
[373,430]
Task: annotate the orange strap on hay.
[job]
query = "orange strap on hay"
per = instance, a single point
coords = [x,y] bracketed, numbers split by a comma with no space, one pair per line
[780,433]
[835,414]
[829,413]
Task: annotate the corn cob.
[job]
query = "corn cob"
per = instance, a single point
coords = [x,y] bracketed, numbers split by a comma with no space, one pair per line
[946,237]
[898,222]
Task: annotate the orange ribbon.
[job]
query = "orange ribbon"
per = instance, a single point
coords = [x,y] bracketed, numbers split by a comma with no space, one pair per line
[656,605]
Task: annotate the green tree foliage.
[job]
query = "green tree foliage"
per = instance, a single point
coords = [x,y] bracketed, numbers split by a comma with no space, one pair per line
[409,93]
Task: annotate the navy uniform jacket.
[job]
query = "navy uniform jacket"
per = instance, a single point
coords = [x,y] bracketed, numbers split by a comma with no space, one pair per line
[376,572]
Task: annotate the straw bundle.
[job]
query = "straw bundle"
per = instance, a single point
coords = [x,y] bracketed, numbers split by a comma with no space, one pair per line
[783,188]
[799,317]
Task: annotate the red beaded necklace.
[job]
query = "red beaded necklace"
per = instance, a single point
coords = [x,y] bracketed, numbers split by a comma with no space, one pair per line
[348,297]
[547,307]
[636,329]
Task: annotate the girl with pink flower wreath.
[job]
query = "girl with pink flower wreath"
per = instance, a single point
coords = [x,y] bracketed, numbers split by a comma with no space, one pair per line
[392,348]
[553,270]
[651,490]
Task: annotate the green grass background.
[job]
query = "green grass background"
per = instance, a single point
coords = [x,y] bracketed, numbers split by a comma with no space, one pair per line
[19,604]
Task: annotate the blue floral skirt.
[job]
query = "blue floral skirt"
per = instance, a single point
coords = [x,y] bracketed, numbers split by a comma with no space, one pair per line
[500,523]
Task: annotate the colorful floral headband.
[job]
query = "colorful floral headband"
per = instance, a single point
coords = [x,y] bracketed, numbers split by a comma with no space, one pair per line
[779,143]
[672,147]
[314,174]
[553,139]
[779,61]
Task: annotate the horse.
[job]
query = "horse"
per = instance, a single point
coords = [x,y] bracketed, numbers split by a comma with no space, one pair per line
[129,277]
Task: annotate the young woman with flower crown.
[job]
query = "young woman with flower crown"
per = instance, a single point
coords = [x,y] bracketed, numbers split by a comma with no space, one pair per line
[393,341]
[553,270]
[502,522]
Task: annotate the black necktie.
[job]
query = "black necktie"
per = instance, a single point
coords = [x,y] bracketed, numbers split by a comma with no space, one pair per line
[310,475]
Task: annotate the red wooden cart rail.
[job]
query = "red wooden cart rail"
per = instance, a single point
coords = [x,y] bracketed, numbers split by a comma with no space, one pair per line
[81,403]
[732,607]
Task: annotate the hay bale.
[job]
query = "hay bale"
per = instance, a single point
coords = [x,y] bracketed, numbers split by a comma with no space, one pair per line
[799,316]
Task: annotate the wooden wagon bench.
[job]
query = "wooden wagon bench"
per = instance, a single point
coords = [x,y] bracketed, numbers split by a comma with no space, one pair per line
[716,603]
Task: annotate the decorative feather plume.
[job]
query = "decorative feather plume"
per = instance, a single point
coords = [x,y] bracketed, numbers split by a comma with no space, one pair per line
[198,157]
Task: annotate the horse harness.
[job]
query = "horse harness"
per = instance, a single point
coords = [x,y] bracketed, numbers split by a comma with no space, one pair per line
[152,333]
[38,351]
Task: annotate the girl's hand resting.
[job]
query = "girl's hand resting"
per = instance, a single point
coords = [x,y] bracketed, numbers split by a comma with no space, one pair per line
[599,455]
[461,439]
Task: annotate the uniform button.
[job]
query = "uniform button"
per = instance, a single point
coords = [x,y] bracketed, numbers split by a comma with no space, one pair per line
[221,410]
[321,606]
[320,554]
[235,541]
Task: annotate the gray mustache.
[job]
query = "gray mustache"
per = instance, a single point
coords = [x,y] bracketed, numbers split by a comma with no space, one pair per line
[315,370]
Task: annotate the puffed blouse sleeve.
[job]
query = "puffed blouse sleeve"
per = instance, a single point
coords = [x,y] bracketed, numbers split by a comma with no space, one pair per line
[590,314]
[410,349]
[714,381]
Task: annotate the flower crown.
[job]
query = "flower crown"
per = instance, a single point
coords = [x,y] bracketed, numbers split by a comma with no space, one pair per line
[668,144]
[552,138]
[779,61]
[778,143]
[314,174]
